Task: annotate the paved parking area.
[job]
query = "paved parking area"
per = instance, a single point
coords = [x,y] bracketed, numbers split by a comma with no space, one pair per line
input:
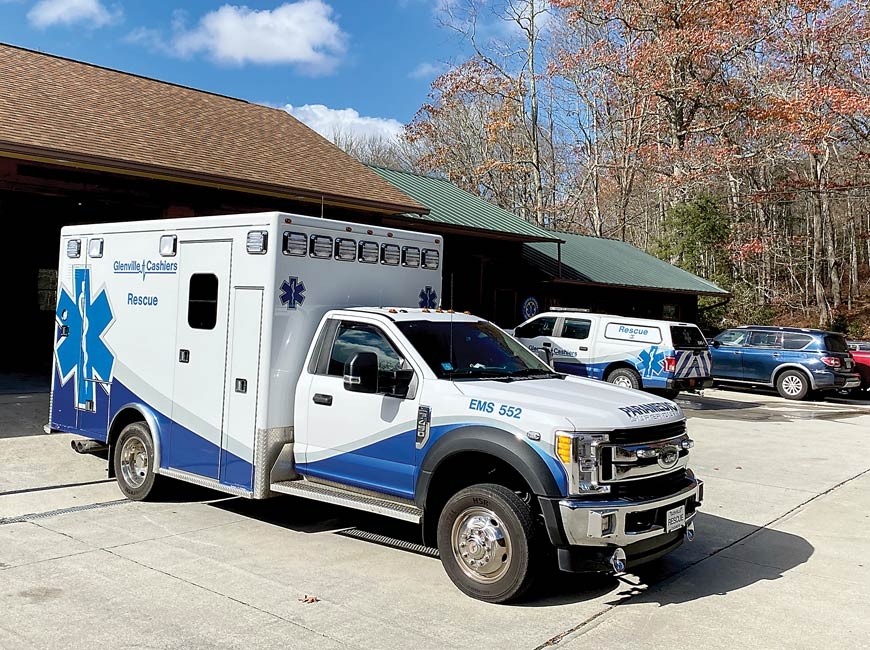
[780,560]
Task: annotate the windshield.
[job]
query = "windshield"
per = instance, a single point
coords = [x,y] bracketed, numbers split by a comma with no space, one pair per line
[472,350]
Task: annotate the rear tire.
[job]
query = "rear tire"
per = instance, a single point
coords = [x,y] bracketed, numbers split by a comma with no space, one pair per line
[669,393]
[133,462]
[625,377]
[486,539]
[793,384]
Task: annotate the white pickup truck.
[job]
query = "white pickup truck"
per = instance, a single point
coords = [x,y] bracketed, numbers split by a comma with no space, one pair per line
[237,352]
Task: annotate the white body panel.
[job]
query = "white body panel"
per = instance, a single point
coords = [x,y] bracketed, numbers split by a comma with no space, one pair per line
[127,331]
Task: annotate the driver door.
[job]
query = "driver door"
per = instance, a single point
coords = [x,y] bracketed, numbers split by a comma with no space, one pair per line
[361,439]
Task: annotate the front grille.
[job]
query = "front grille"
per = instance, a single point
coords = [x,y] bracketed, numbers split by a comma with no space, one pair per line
[648,434]
[608,467]
[653,487]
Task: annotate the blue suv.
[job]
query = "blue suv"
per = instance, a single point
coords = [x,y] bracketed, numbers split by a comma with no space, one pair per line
[794,361]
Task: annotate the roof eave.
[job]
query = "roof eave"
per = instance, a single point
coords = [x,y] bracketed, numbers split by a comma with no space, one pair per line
[457,229]
[696,292]
[156,172]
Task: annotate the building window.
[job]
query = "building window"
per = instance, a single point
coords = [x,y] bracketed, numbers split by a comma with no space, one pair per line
[46,289]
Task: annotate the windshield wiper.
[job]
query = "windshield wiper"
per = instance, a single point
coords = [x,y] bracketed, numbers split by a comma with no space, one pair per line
[534,372]
[476,372]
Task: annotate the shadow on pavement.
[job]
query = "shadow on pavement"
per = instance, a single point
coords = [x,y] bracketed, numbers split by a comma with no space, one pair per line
[756,554]
[703,403]
[767,554]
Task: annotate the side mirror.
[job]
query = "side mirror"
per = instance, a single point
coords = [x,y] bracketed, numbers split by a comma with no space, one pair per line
[545,353]
[715,343]
[396,383]
[361,373]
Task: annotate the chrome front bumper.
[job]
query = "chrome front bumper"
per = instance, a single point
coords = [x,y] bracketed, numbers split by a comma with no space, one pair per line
[623,522]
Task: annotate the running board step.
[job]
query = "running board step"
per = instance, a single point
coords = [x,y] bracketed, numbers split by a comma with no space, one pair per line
[405,511]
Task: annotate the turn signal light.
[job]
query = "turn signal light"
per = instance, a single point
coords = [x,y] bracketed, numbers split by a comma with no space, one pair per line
[670,364]
[833,362]
[563,448]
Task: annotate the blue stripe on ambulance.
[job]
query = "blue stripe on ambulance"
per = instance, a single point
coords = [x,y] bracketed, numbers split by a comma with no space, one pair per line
[366,468]
[183,449]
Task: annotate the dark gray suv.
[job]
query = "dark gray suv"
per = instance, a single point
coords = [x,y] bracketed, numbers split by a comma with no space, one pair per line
[792,360]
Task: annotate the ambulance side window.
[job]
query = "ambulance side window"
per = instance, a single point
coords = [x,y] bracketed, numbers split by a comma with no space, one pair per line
[202,305]
[351,338]
[539,327]
[576,329]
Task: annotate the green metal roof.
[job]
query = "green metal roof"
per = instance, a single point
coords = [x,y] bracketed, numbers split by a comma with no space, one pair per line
[598,260]
[452,206]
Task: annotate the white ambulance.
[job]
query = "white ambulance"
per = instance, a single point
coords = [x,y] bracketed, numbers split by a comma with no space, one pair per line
[662,356]
[274,353]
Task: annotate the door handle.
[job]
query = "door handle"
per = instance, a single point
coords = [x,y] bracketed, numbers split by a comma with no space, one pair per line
[775,355]
[583,348]
[323,400]
[184,356]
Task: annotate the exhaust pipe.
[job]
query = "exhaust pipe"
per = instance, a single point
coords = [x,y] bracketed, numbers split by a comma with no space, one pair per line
[617,560]
[690,532]
[87,446]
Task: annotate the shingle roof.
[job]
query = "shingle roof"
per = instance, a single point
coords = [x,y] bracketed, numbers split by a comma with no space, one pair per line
[598,260]
[58,109]
[452,206]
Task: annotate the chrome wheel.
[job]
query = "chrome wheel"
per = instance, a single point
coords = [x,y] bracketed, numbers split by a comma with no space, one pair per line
[481,545]
[792,385]
[134,462]
[623,381]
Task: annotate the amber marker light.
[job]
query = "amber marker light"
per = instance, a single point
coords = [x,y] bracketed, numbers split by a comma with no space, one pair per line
[563,448]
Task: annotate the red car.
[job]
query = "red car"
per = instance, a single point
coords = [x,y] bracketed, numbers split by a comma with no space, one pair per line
[861,354]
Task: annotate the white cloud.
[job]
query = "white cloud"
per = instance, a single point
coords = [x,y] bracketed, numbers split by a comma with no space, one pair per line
[330,122]
[428,70]
[303,33]
[46,13]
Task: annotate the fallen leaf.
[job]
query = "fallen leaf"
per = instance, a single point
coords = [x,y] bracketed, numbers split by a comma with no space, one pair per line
[309,599]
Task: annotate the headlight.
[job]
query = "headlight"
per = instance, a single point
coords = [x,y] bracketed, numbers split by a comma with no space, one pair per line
[579,453]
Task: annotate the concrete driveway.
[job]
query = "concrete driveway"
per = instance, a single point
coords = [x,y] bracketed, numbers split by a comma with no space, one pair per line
[779,562]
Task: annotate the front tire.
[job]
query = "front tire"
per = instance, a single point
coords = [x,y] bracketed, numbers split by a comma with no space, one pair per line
[625,377]
[793,384]
[133,462]
[486,536]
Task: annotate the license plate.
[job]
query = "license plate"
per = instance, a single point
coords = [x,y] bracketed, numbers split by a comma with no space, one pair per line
[675,519]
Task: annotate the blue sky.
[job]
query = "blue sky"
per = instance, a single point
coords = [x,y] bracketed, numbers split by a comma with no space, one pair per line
[365,65]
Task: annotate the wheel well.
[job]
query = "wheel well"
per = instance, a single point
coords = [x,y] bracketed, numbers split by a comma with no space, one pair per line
[619,364]
[462,470]
[122,419]
[806,375]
